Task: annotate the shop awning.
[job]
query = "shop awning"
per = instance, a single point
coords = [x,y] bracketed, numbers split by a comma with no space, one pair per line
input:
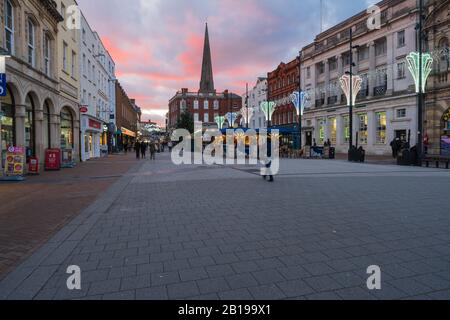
[128,132]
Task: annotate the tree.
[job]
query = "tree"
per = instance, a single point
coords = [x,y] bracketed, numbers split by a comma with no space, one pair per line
[186,121]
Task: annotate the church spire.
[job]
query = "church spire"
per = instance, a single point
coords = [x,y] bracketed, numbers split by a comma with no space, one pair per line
[207,81]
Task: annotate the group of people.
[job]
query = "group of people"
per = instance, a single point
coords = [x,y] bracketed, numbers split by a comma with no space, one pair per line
[141,148]
[398,145]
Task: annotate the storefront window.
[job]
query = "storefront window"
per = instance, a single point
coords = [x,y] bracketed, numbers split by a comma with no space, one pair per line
[333,128]
[347,129]
[381,128]
[445,138]
[30,141]
[46,126]
[8,123]
[321,132]
[363,133]
[66,129]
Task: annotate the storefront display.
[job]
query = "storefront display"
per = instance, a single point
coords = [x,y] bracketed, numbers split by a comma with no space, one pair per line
[7,124]
[15,159]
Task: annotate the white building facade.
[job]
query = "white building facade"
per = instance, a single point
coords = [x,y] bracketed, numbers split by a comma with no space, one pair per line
[386,106]
[256,96]
[97,93]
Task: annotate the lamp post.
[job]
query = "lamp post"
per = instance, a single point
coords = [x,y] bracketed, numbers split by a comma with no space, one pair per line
[300,113]
[246,102]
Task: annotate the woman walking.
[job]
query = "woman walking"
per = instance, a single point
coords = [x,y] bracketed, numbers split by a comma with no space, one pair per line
[137,148]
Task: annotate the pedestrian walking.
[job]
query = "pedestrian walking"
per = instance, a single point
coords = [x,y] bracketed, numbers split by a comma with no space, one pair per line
[125,147]
[152,151]
[143,149]
[170,145]
[137,148]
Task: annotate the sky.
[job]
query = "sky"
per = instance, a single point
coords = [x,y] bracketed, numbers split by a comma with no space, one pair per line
[157,44]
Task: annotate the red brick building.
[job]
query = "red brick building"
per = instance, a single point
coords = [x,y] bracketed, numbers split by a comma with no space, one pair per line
[206,103]
[283,81]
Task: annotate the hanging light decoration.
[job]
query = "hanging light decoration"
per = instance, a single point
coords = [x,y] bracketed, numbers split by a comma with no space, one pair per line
[231,118]
[246,114]
[220,120]
[268,108]
[356,87]
[299,99]
[413,60]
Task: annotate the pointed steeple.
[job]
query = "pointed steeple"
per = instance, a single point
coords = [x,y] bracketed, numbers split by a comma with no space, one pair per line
[207,80]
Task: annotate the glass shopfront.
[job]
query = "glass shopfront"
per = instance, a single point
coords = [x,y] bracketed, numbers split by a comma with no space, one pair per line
[30,141]
[445,137]
[66,129]
[7,123]
[46,126]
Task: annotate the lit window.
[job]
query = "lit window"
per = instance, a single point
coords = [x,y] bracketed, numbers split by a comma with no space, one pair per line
[381,127]
[363,132]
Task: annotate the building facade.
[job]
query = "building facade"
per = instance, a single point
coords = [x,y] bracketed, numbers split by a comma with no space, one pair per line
[386,106]
[97,94]
[282,82]
[205,104]
[127,118]
[437,107]
[256,96]
[36,113]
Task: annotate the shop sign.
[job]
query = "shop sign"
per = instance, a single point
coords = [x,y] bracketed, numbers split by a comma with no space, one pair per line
[127,132]
[2,85]
[15,159]
[95,124]
[33,165]
[84,109]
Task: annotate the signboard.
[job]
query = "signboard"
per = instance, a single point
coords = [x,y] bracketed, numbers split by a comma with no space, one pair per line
[127,132]
[95,124]
[2,85]
[33,165]
[15,159]
[67,158]
[52,159]
[84,109]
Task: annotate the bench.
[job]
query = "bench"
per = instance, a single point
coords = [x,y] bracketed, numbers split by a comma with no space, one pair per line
[438,160]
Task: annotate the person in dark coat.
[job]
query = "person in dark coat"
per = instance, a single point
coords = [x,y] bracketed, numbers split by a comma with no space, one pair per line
[137,148]
[152,151]
[125,147]
[143,149]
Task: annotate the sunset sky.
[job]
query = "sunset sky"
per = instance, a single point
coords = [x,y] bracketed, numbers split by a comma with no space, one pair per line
[157,44]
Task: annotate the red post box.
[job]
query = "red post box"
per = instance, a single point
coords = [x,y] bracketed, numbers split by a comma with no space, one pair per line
[52,159]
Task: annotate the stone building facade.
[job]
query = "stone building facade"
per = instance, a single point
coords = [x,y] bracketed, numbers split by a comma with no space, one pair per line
[256,96]
[386,106]
[34,113]
[437,107]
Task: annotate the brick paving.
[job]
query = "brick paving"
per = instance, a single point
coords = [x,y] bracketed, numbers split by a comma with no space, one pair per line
[33,211]
[198,232]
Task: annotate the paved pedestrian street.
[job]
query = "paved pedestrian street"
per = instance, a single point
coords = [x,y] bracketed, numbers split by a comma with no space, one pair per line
[221,232]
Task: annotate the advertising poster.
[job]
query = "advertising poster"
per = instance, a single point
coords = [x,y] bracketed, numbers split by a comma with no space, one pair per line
[15,159]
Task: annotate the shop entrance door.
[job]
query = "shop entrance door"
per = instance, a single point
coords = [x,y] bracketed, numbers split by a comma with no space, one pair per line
[91,146]
[308,138]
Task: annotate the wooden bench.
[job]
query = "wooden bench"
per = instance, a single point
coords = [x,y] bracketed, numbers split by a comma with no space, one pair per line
[438,160]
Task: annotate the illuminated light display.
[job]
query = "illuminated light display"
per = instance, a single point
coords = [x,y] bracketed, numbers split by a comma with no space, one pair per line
[300,100]
[356,87]
[246,114]
[231,118]
[268,108]
[414,67]
[220,120]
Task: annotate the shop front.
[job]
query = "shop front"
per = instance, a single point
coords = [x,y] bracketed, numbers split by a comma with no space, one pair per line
[445,135]
[7,125]
[92,133]
[127,137]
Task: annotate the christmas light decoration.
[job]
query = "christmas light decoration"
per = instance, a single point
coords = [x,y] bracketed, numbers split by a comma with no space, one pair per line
[356,87]
[220,120]
[413,60]
[268,108]
[300,100]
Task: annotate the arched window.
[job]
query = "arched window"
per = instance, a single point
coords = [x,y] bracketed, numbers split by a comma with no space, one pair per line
[46,126]
[66,129]
[31,44]
[9,26]
[8,136]
[30,141]
[47,55]
[444,63]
